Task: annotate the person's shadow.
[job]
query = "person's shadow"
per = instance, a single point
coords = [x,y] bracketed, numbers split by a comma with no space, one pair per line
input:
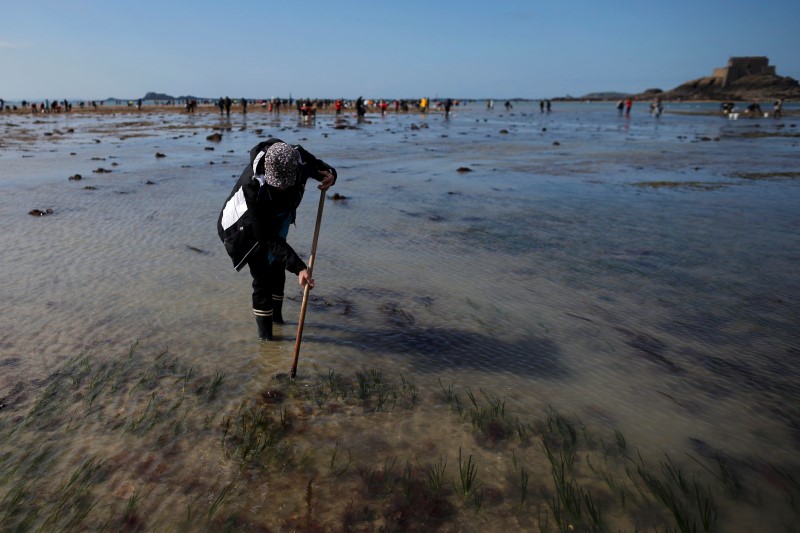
[435,349]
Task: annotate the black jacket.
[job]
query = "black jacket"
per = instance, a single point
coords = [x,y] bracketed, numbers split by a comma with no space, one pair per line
[249,220]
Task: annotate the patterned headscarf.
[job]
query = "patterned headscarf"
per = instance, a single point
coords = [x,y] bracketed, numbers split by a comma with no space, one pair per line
[281,164]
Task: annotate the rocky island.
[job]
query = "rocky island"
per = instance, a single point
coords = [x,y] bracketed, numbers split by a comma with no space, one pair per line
[746,79]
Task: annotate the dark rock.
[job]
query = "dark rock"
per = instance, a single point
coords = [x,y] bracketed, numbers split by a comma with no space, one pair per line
[101,170]
[209,148]
[272,396]
[76,177]
[159,154]
[337,196]
[504,131]
[196,249]
[464,169]
[40,213]
[214,137]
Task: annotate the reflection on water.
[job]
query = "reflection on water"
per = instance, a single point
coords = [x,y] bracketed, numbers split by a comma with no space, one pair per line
[545,280]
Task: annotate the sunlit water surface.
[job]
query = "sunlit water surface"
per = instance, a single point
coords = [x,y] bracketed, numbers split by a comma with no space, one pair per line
[547,274]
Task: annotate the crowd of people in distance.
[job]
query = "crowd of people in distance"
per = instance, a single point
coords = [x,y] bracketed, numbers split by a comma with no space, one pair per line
[306,107]
[752,110]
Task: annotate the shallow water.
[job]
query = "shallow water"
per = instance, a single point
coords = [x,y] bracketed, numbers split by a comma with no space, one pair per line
[550,274]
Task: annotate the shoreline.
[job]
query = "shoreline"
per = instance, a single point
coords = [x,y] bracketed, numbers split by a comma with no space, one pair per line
[328,109]
[149,109]
[210,109]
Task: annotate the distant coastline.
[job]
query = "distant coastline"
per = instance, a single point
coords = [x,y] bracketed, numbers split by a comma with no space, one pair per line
[744,79]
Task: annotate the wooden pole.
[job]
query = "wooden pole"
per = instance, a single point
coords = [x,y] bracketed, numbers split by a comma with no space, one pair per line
[307,288]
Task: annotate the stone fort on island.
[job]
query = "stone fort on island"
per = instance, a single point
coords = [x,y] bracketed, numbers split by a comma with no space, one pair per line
[739,67]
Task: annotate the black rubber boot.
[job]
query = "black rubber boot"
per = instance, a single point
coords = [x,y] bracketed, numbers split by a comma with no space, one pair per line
[277,307]
[264,327]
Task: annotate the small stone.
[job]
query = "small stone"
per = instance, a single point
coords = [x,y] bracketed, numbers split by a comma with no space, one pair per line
[464,169]
[76,177]
[215,137]
[159,154]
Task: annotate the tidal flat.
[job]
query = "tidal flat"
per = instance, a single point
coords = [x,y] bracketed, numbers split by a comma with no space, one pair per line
[594,328]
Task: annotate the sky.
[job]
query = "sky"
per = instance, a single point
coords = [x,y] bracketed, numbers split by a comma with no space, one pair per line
[93,49]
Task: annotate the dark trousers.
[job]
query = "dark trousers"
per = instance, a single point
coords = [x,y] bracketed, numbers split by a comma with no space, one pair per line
[268,281]
[269,275]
